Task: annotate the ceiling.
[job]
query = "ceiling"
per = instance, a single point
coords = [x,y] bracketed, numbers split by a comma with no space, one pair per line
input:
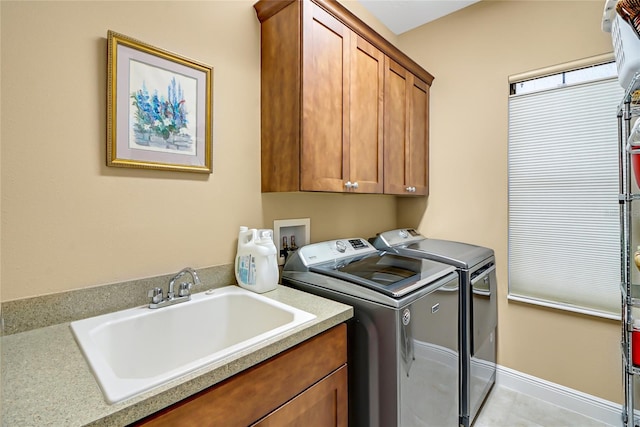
[403,15]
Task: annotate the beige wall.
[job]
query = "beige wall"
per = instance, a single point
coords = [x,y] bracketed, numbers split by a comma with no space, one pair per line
[68,221]
[1,399]
[471,54]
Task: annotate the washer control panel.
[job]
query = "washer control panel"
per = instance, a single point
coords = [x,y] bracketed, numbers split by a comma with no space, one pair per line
[332,250]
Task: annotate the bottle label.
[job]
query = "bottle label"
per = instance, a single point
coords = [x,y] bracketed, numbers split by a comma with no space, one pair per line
[247,269]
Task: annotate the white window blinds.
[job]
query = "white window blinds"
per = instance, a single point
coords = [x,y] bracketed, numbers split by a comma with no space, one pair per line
[564,238]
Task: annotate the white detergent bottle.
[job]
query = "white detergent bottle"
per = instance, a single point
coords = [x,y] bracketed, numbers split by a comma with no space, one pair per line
[256,265]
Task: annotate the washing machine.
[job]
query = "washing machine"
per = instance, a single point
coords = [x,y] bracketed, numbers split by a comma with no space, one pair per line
[477,308]
[403,355]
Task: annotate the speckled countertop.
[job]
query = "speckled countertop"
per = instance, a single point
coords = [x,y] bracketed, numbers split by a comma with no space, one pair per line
[47,382]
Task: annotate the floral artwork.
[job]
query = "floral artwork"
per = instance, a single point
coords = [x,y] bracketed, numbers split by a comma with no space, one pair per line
[159,108]
[159,118]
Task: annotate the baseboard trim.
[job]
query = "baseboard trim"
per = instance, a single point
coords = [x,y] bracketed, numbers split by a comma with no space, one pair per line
[600,409]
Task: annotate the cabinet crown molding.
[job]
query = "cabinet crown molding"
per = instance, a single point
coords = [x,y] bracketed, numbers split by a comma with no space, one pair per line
[265,9]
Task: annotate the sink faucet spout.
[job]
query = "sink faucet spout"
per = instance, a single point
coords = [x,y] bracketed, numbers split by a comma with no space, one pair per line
[184,290]
[194,276]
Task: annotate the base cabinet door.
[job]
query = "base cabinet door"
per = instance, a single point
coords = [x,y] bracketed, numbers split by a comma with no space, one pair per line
[322,405]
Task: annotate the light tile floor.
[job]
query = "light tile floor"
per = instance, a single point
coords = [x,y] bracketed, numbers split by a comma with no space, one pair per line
[507,408]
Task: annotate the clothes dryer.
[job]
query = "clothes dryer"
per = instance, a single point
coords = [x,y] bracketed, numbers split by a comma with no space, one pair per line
[477,308]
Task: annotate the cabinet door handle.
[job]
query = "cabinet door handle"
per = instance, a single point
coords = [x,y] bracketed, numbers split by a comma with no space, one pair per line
[355,186]
[408,189]
[348,185]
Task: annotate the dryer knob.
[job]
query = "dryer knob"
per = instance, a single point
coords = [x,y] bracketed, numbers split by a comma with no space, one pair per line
[341,246]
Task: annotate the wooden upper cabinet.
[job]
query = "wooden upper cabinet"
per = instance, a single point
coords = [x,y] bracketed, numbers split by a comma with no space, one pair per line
[366,121]
[406,134]
[325,101]
[418,159]
[323,92]
[280,87]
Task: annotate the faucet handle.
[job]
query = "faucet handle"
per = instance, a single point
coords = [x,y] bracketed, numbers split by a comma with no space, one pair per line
[156,295]
[185,289]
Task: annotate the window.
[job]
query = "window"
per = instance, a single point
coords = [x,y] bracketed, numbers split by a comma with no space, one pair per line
[564,78]
[564,228]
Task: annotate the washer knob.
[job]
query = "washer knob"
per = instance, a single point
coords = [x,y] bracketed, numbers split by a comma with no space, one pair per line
[403,234]
[341,246]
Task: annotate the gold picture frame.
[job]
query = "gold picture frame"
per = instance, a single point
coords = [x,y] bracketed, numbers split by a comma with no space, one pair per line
[159,108]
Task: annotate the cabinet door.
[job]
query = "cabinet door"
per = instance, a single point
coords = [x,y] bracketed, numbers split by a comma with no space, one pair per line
[406,132]
[418,159]
[396,128]
[323,405]
[366,116]
[325,101]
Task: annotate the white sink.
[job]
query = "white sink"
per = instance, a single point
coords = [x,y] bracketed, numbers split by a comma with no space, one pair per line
[134,350]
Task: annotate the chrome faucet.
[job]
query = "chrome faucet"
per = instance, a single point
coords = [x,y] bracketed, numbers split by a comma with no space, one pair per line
[184,290]
[185,287]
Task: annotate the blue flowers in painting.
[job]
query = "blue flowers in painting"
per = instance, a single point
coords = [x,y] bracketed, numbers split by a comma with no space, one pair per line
[158,116]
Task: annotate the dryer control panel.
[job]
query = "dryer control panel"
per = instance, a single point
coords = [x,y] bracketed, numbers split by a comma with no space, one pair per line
[402,236]
[331,250]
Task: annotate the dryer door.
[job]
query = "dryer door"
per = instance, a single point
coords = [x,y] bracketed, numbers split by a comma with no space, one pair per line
[484,322]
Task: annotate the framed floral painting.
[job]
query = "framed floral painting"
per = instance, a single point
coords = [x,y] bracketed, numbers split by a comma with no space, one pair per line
[159,112]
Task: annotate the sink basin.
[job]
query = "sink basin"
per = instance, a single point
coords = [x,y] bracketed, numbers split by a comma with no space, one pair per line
[134,350]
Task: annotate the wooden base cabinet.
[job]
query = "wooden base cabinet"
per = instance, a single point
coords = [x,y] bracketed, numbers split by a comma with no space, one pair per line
[323,91]
[303,386]
[323,405]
